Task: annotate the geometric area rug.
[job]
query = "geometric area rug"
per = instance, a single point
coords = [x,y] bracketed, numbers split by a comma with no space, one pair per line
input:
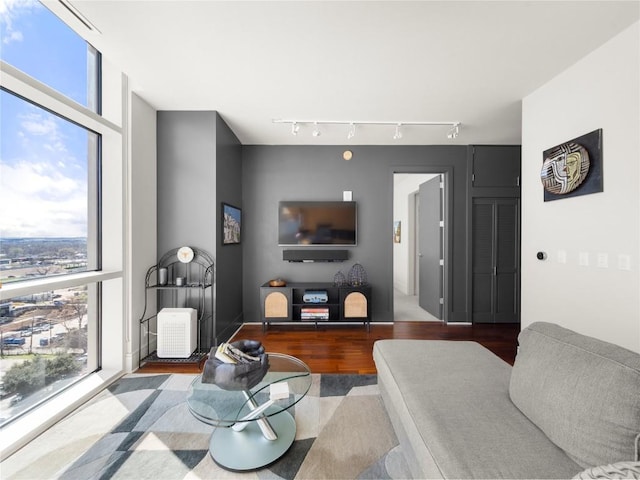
[141,428]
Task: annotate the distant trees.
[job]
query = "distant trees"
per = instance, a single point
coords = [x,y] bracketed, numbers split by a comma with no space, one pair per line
[67,252]
[14,252]
[43,271]
[77,339]
[32,375]
[76,335]
[79,307]
[43,247]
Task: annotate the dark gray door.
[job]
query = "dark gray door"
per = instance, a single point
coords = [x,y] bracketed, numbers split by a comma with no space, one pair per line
[496,264]
[430,247]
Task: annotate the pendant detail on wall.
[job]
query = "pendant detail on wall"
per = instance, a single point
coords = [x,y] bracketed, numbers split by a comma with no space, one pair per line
[573,168]
[565,168]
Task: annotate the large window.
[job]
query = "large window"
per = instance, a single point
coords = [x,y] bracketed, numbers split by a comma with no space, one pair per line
[35,41]
[55,289]
[48,207]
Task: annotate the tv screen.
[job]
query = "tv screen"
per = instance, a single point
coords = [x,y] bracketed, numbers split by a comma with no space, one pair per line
[316,223]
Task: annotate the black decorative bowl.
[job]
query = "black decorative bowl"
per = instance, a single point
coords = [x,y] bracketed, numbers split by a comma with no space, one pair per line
[237,376]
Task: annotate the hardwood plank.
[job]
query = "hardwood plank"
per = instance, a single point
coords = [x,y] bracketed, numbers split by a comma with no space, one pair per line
[349,348]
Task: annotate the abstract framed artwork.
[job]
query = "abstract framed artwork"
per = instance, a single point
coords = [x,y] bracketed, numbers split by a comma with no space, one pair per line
[573,168]
[231,224]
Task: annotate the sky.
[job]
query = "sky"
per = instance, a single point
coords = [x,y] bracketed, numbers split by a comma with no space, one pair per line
[43,158]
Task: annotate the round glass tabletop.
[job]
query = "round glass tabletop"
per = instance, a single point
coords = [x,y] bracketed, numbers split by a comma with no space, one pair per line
[287,381]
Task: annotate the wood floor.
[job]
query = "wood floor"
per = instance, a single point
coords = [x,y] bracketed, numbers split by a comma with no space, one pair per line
[348,348]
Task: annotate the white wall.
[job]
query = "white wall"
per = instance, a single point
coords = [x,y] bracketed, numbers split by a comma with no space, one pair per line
[404,185]
[142,218]
[600,91]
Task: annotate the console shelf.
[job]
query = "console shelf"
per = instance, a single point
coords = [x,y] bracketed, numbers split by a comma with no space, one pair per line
[343,304]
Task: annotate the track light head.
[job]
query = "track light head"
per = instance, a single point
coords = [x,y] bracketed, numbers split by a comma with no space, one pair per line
[398,134]
[453,133]
[454,127]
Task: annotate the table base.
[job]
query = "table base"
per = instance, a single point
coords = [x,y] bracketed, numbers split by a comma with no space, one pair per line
[249,449]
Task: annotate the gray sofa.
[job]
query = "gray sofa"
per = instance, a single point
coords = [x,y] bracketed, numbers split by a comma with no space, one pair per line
[569,406]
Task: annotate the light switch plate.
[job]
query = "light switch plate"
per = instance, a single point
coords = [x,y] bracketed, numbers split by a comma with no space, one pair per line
[603,260]
[562,256]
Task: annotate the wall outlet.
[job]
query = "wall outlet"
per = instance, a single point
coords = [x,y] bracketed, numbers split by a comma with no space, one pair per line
[562,256]
[624,262]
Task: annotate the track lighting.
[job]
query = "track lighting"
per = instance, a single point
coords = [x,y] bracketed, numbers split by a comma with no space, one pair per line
[398,134]
[352,131]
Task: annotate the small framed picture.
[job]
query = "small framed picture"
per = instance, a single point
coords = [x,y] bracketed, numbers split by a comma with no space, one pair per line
[231,224]
[397,232]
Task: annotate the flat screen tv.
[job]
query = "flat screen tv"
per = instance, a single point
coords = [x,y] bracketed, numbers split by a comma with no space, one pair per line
[316,223]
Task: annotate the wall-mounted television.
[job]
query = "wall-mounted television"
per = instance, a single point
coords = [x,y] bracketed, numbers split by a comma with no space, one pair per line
[317,223]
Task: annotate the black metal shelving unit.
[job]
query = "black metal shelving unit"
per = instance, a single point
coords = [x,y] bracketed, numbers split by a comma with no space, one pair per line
[195,292]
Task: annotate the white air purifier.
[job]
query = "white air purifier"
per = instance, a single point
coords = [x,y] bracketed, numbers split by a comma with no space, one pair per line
[177,332]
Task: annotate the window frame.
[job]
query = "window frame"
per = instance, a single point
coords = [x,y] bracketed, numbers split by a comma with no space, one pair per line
[109,278]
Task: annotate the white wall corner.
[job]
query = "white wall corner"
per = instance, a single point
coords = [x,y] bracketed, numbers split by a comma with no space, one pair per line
[602,90]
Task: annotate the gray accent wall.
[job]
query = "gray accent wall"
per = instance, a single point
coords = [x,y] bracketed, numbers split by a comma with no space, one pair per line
[199,165]
[274,173]
[186,180]
[228,257]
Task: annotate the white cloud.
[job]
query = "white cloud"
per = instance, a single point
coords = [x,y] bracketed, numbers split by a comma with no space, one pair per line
[47,126]
[35,124]
[9,11]
[13,37]
[36,200]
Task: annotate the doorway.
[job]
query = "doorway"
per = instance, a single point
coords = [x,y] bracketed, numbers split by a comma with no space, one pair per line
[419,246]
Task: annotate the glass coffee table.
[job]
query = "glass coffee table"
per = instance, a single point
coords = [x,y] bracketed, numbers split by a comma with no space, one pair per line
[253,427]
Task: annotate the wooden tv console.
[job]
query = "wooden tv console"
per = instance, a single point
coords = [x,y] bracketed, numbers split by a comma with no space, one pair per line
[343,303]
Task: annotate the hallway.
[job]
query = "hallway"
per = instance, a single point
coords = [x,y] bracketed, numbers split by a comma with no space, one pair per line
[405,308]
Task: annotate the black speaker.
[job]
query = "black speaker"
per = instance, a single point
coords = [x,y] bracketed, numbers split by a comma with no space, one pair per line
[305,255]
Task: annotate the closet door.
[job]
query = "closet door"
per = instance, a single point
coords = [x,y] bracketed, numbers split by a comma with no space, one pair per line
[495,260]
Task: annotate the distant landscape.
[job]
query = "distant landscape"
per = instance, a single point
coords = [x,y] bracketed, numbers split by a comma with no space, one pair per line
[22,258]
[47,246]
[43,335]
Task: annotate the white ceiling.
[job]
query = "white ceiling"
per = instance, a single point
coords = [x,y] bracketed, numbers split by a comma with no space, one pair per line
[416,61]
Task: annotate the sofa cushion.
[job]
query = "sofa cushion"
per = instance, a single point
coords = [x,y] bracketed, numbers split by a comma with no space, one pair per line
[449,404]
[583,393]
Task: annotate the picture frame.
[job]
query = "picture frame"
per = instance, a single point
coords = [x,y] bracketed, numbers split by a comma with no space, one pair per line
[397,231]
[231,224]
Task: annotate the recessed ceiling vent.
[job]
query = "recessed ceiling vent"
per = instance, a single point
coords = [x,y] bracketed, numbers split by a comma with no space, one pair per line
[76,13]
